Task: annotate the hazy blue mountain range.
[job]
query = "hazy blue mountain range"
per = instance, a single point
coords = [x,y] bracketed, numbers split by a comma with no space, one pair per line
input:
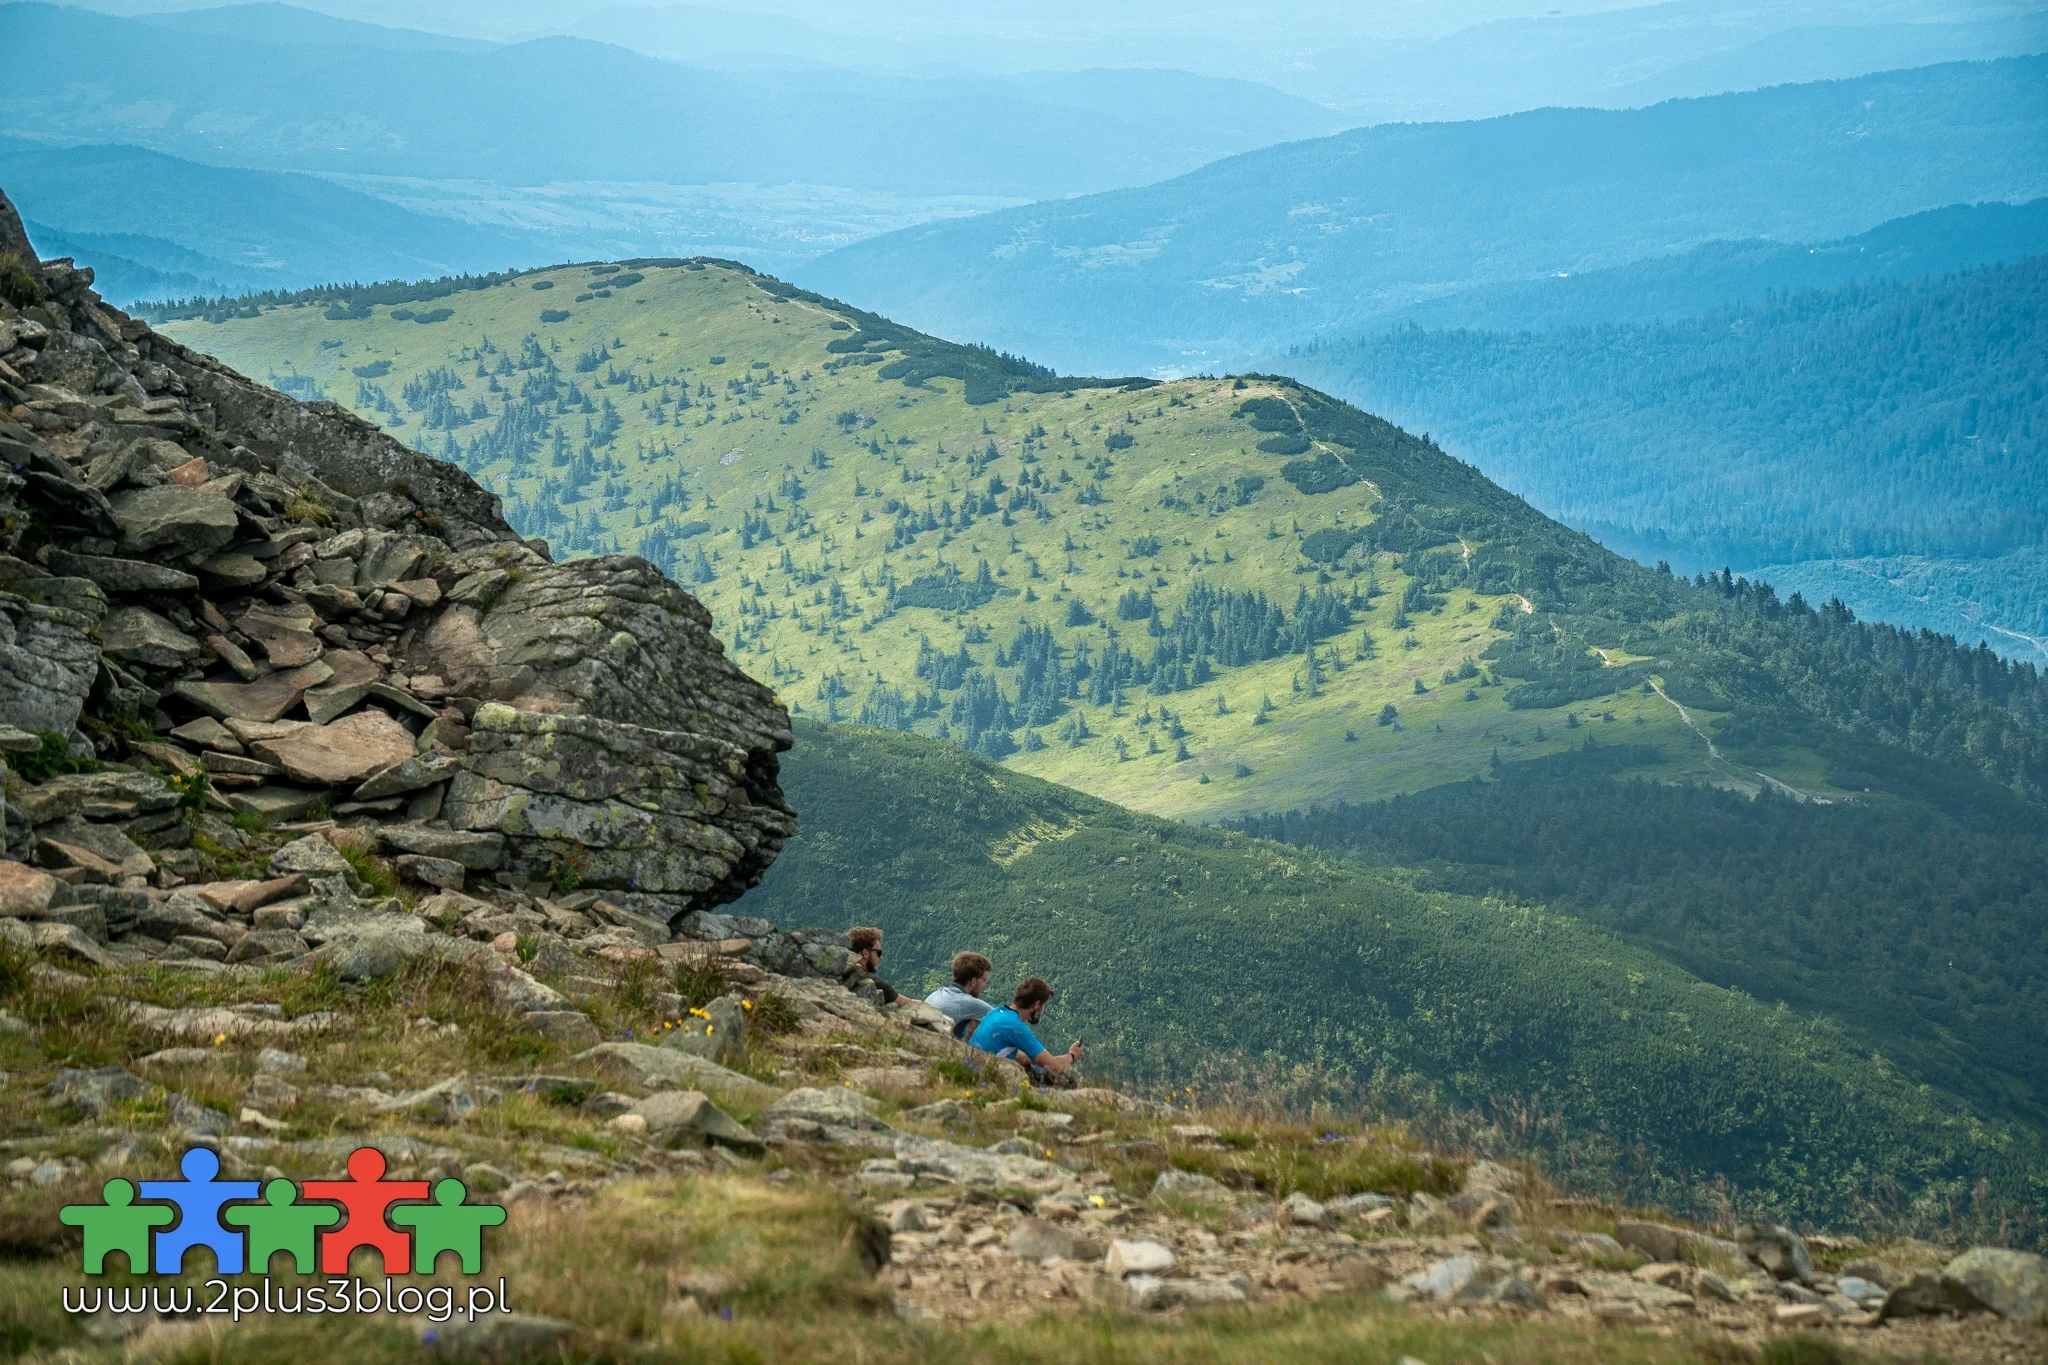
[304,96]
[1893,420]
[1667,288]
[1327,237]
[1391,60]
[240,229]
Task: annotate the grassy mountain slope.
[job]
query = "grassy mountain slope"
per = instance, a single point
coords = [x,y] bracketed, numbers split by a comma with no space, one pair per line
[1306,602]
[568,109]
[1324,237]
[1881,419]
[265,229]
[1170,945]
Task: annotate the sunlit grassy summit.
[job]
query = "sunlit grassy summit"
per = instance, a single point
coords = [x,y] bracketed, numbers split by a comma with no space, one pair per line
[1197,598]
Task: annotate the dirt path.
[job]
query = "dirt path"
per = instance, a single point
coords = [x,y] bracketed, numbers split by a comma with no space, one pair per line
[1713,751]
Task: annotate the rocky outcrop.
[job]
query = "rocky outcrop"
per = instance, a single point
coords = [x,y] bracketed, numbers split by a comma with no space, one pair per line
[270,609]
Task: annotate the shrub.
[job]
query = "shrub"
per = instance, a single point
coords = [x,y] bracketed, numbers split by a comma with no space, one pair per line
[20,284]
[773,1013]
[554,315]
[700,980]
[53,759]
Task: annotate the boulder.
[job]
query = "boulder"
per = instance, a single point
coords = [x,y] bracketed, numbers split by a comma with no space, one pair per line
[659,811]
[1777,1249]
[679,1116]
[49,661]
[93,1092]
[140,636]
[24,892]
[1928,1295]
[179,521]
[2012,1284]
[342,752]
[720,1038]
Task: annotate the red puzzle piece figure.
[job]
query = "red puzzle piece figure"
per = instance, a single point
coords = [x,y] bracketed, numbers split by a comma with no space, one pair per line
[366,1195]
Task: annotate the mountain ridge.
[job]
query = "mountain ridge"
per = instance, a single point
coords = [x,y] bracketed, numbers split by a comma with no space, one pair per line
[1274,247]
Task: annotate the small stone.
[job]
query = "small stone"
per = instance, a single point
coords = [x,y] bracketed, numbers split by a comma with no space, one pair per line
[1190,1185]
[572,1028]
[1303,1211]
[271,1094]
[495,1337]
[630,1123]
[311,856]
[1034,1239]
[1147,1292]
[1491,1175]
[689,1116]
[445,873]
[1801,1314]
[448,1101]
[1137,1256]
[278,1062]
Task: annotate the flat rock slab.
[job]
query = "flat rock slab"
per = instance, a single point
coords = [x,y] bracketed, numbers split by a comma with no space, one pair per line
[265,699]
[138,635]
[479,852]
[345,751]
[656,1068]
[275,804]
[285,633]
[181,521]
[122,575]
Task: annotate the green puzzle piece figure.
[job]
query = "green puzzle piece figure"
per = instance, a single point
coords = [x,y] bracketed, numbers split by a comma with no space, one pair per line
[448,1224]
[278,1224]
[119,1224]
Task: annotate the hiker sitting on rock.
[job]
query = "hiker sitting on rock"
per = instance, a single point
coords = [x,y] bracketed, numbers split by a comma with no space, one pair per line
[961,1002]
[1007,1033]
[866,944]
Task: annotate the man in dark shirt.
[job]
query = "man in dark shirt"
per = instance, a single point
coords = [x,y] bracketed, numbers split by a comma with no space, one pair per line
[866,944]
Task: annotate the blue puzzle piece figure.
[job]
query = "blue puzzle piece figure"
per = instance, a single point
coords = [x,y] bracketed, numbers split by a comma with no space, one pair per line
[198,1197]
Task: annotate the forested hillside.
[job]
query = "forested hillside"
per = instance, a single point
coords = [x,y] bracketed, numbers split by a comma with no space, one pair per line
[1210,597]
[1325,238]
[1893,418]
[1919,929]
[1197,954]
[1722,273]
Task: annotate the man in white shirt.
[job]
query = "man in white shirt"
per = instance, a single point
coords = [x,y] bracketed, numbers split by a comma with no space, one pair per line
[961,1002]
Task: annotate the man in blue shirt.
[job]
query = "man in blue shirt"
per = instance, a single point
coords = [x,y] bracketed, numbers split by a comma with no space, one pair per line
[1007,1033]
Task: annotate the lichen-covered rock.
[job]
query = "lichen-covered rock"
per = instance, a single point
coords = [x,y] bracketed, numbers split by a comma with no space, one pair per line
[656,810]
[179,543]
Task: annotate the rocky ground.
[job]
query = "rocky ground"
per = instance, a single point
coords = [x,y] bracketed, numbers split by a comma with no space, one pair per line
[335,813]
